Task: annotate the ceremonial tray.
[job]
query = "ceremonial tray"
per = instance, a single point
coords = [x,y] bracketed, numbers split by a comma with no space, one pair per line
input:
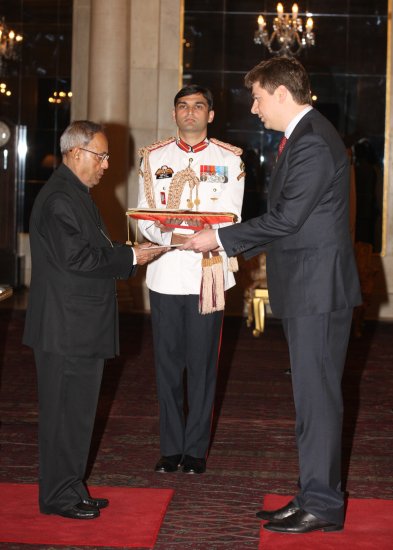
[181,218]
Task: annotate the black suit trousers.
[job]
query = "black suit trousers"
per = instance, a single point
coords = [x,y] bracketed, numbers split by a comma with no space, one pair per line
[185,340]
[318,346]
[68,389]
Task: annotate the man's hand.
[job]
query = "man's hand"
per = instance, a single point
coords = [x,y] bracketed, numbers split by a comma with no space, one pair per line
[179,238]
[203,241]
[146,252]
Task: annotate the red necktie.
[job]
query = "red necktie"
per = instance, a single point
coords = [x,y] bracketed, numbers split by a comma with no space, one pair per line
[281,145]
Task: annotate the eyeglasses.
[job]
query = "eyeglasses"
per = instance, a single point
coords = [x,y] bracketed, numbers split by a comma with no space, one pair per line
[102,156]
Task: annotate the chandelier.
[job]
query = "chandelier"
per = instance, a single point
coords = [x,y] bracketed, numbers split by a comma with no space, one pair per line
[9,41]
[288,36]
[3,89]
[60,97]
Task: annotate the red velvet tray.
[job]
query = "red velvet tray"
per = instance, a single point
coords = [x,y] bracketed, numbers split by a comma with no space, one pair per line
[175,218]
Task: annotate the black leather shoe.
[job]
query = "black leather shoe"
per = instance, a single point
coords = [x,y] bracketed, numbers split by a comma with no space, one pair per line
[78,511]
[192,465]
[96,502]
[168,464]
[280,513]
[302,522]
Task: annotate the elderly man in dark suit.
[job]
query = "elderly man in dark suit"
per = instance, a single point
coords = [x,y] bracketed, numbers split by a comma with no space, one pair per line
[72,319]
[312,280]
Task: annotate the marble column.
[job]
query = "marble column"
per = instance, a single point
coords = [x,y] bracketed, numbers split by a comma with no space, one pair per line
[80,58]
[155,75]
[126,69]
[108,103]
[101,93]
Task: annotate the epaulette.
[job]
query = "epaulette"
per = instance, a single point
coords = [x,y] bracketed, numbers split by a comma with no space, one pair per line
[155,145]
[236,150]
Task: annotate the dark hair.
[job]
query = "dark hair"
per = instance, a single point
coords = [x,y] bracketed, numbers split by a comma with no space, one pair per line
[281,71]
[79,132]
[195,89]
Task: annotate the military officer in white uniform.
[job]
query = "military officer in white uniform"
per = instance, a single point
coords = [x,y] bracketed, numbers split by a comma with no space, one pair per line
[196,173]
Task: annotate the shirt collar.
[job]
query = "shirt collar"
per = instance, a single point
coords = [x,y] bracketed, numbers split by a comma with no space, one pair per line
[192,148]
[295,121]
[73,178]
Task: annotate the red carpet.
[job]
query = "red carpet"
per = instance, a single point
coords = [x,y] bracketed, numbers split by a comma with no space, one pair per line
[132,519]
[368,526]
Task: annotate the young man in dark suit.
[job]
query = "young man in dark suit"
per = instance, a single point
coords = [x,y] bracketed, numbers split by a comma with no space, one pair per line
[72,320]
[312,280]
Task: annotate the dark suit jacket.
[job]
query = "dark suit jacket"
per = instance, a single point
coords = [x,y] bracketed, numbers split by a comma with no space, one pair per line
[72,306]
[310,261]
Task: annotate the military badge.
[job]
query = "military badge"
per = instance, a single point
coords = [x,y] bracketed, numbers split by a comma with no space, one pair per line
[214,174]
[164,172]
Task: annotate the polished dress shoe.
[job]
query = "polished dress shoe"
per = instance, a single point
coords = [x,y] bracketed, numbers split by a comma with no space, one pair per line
[192,465]
[96,502]
[168,464]
[77,511]
[281,513]
[301,522]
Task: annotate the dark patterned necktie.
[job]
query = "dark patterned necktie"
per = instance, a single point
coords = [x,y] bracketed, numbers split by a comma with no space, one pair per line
[281,145]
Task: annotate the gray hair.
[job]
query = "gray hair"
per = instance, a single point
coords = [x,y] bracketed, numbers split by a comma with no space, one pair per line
[79,133]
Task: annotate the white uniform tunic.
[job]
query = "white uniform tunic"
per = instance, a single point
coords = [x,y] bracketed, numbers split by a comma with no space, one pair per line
[220,190]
